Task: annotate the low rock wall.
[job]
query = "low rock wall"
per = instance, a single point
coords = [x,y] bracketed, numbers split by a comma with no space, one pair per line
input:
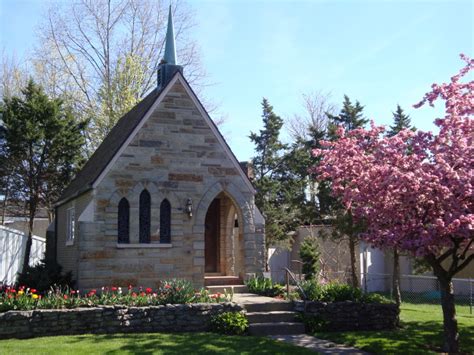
[111,319]
[347,316]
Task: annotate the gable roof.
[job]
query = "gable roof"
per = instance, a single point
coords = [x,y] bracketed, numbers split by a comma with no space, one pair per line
[108,148]
[96,167]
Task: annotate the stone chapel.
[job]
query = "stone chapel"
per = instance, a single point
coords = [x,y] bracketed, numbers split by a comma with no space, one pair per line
[162,197]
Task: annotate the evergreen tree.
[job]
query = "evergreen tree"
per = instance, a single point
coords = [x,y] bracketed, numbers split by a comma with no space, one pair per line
[350,117]
[271,197]
[44,140]
[400,121]
[309,255]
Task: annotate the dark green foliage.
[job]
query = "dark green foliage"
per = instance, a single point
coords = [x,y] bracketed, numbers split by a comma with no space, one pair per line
[400,121]
[350,117]
[44,275]
[337,292]
[312,323]
[264,287]
[309,255]
[230,323]
[43,140]
[272,194]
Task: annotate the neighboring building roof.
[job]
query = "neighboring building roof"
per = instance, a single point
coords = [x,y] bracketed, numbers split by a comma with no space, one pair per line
[108,148]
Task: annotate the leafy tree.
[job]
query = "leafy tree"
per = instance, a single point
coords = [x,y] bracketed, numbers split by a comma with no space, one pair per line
[419,202]
[44,140]
[310,254]
[350,118]
[401,121]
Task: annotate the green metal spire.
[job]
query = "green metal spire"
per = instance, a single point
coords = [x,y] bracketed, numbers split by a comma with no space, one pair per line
[170,48]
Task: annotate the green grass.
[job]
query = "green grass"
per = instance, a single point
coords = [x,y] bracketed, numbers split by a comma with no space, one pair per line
[421,332]
[149,343]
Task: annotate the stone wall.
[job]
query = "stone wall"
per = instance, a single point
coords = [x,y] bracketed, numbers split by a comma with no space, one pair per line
[347,316]
[175,155]
[110,319]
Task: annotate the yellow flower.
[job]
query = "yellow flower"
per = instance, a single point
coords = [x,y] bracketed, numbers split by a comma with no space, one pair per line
[34,296]
[21,292]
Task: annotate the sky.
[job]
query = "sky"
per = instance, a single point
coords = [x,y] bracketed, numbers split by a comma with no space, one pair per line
[382,53]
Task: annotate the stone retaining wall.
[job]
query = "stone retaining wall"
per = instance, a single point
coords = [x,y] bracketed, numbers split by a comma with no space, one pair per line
[347,316]
[110,319]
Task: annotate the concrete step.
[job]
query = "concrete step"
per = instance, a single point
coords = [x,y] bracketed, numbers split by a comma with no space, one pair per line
[271,317]
[222,280]
[268,307]
[278,328]
[214,274]
[220,289]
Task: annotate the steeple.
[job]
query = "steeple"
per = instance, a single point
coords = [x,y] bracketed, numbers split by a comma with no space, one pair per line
[169,64]
[170,50]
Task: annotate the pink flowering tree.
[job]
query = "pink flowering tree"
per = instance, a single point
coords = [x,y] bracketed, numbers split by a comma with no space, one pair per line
[414,191]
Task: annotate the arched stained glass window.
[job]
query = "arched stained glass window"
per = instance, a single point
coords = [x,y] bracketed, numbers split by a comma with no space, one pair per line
[145,216]
[165,221]
[123,224]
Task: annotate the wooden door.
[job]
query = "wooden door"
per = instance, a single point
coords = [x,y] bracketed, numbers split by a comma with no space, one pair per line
[211,237]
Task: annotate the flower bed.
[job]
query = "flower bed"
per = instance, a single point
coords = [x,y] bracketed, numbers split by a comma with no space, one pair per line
[169,292]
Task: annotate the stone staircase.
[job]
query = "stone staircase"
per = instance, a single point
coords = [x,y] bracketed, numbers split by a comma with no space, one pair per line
[216,283]
[273,318]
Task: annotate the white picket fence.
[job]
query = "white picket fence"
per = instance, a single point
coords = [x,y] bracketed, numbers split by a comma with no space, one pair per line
[12,249]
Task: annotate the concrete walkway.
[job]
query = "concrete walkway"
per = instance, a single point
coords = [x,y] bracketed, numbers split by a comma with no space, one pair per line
[250,298]
[319,345]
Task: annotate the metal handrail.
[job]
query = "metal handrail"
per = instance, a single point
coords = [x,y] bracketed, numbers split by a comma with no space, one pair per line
[290,274]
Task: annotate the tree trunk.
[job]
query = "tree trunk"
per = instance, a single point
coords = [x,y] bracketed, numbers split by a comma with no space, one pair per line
[29,240]
[451,335]
[396,277]
[354,278]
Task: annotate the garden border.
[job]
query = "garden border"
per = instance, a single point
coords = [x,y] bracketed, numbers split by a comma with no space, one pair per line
[112,319]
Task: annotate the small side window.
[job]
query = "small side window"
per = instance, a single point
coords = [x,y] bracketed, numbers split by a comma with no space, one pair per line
[71,226]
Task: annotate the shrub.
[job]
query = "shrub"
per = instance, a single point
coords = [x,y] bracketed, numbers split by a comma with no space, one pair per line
[337,292]
[312,323]
[265,287]
[309,254]
[230,323]
[45,275]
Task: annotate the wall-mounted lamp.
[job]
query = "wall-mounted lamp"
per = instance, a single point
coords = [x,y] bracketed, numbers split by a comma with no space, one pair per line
[189,207]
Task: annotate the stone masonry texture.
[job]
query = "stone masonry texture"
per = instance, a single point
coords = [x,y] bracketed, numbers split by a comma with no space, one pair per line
[177,156]
[111,319]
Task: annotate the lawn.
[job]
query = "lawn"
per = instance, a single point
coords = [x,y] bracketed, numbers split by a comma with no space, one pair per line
[420,333]
[149,343]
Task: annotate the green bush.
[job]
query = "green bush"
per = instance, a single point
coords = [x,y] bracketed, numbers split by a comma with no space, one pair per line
[309,254]
[312,323]
[264,287]
[337,292]
[45,275]
[230,323]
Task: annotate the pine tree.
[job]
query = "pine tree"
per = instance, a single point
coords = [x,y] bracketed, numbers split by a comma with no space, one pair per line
[350,117]
[400,121]
[44,140]
[309,255]
[271,197]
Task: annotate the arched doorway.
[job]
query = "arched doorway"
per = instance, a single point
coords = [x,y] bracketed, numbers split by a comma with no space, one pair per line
[212,237]
[223,237]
